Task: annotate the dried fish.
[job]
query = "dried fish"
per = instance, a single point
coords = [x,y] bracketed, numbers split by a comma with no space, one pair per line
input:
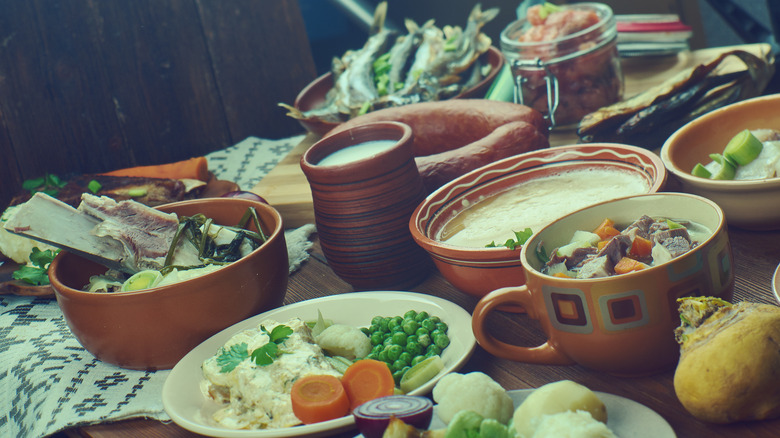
[426,64]
[648,118]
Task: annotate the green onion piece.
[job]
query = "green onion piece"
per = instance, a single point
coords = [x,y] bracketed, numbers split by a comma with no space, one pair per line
[94,186]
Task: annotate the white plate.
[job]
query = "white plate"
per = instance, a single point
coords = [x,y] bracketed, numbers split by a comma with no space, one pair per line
[776,283]
[625,417]
[189,409]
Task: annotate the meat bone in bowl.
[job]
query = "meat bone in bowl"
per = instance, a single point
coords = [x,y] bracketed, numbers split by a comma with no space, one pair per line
[477,270]
[154,328]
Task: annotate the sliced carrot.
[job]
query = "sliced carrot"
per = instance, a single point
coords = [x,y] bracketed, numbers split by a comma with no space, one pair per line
[601,244]
[366,380]
[627,264]
[561,274]
[606,229]
[317,398]
[641,247]
[194,168]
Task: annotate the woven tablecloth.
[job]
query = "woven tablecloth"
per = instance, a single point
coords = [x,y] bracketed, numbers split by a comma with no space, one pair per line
[48,382]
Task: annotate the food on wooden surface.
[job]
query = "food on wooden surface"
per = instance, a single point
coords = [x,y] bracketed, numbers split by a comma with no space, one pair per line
[475,392]
[132,238]
[193,168]
[729,360]
[373,417]
[252,375]
[748,155]
[608,251]
[505,141]
[648,118]
[457,136]
[425,64]
[555,398]
[367,379]
[577,47]
[316,398]
[537,202]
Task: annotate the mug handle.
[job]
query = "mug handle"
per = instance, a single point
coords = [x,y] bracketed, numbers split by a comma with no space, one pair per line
[545,354]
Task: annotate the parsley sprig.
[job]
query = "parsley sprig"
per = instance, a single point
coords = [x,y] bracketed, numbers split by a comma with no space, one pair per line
[520,238]
[228,359]
[38,273]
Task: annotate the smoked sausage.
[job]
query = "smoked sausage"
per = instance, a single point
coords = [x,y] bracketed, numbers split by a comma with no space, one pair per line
[444,125]
[505,141]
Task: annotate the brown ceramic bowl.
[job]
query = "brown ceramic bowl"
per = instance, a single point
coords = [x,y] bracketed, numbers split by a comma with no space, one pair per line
[748,204]
[154,328]
[313,95]
[479,270]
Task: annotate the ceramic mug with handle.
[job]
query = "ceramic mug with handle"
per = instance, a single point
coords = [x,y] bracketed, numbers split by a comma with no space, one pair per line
[621,324]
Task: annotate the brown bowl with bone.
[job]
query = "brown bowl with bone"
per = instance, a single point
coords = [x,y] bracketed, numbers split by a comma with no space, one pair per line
[140,287]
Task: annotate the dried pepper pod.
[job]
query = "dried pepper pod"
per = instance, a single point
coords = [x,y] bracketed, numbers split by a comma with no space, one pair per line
[648,118]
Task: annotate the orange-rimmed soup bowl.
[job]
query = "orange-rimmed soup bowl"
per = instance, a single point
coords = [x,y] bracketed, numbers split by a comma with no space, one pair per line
[476,269]
[621,324]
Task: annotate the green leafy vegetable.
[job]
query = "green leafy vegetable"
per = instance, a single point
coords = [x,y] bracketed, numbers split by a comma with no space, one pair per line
[520,238]
[38,273]
[49,184]
[229,359]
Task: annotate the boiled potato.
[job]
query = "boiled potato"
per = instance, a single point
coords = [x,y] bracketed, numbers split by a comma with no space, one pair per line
[554,398]
[729,368]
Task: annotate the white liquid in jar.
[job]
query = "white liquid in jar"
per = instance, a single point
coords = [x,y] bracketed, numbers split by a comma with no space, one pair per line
[356,152]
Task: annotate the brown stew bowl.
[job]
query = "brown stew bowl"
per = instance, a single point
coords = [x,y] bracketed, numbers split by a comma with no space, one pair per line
[152,329]
[477,271]
[313,95]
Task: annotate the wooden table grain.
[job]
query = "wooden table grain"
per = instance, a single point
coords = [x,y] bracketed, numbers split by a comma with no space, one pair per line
[756,255]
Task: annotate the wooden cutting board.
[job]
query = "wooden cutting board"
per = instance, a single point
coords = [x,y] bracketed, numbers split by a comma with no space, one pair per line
[286,188]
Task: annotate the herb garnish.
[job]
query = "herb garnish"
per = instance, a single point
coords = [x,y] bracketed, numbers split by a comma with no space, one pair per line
[49,184]
[36,275]
[520,238]
[229,359]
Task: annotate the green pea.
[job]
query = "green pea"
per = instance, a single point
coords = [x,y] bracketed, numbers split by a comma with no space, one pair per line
[414,349]
[441,341]
[376,338]
[394,351]
[382,356]
[399,364]
[377,320]
[365,331]
[422,331]
[387,341]
[424,340]
[428,324]
[383,324]
[437,332]
[411,339]
[435,319]
[410,326]
[377,348]
[410,314]
[397,375]
[433,350]
[421,316]
[399,338]
[406,357]
[417,359]
[441,326]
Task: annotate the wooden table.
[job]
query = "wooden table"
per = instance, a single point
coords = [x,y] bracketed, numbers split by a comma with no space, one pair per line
[756,255]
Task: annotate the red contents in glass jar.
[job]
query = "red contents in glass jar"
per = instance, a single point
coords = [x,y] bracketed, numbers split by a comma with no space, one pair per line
[587,81]
[556,24]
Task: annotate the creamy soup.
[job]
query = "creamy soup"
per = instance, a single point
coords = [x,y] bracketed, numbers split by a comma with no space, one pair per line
[356,152]
[536,203]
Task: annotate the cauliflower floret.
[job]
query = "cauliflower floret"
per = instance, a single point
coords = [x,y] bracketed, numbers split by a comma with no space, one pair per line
[344,340]
[473,392]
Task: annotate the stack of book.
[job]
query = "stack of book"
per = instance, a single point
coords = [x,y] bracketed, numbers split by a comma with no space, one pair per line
[651,35]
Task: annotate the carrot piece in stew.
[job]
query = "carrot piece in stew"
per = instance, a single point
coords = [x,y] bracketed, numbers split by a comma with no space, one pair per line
[367,379]
[606,229]
[641,247]
[317,398]
[627,264]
